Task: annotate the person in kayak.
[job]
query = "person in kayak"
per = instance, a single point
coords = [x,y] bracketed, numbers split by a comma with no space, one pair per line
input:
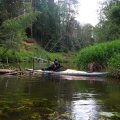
[54,67]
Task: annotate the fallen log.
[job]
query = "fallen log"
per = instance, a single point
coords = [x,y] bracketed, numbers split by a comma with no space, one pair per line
[6,71]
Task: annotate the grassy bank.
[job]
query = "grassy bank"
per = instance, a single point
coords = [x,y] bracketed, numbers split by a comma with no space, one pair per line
[26,52]
[114,66]
[29,50]
[101,54]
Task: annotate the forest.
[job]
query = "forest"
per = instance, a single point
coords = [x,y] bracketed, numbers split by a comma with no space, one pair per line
[52,25]
[33,33]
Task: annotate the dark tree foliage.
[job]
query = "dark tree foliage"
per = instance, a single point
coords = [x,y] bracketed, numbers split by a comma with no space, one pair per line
[56,28]
[109,26]
[18,16]
[8,10]
[45,28]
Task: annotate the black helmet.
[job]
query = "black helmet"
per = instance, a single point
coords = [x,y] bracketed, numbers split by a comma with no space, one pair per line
[56,61]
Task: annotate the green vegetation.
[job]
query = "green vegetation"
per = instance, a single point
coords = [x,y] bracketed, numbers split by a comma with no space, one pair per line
[24,54]
[30,50]
[54,27]
[12,28]
[108,28]
[48,29]
[100,54]
[63,57]
[114,66]
[104,55]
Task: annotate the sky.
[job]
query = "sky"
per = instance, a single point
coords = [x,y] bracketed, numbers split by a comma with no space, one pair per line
[87,11]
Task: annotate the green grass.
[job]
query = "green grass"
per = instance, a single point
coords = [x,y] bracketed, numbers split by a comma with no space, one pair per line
[28,51]
[24,54]
[32,51]
[101,54]
[114,66]
[61,57]
[8,56]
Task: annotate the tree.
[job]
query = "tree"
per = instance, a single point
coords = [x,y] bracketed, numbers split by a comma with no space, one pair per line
[108,27]
[44,29]
[55,26]
[67,12]
[13,28]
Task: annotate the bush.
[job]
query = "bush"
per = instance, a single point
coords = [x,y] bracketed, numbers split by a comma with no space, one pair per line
[114,66]
[9,56]
[99,54]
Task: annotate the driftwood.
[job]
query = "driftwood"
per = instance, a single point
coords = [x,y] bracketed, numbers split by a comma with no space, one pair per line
[7,71]
[13,72]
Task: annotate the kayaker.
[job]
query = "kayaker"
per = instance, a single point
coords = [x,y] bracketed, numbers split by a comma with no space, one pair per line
[57,65]
[54,67]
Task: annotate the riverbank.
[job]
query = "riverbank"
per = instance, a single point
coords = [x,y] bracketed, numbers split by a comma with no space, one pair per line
[101,57]
[105,56]
[28,50]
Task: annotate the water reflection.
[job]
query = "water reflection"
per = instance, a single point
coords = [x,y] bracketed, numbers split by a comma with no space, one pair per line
[83,98]
[85,109]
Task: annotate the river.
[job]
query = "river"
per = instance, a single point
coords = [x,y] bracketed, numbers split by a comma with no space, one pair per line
[66,97]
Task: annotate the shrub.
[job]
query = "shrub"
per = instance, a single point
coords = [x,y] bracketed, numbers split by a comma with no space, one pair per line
[9,56]
[114,66]
[98,53]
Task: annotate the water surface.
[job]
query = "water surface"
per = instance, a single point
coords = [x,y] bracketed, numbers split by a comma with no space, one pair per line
[83,98]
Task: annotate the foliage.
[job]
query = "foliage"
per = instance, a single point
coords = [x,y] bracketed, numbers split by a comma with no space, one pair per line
[114,65]
[10,55]
[25,53]
[85,37]
[61,56]
[56,29]
[30,51]
[98,53]
[16,28]
[13,27]
[45,28]
[21,22]
[108,27]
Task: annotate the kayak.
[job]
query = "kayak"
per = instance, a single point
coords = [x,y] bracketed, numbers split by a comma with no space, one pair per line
[70,72]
